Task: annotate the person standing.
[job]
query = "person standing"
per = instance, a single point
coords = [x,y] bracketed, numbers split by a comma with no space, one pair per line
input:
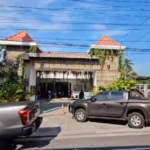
[39,94]
[36,96]
[81,94]
[49,95]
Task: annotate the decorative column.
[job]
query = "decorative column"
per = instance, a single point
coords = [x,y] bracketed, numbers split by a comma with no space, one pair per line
[94,82]
[32,83]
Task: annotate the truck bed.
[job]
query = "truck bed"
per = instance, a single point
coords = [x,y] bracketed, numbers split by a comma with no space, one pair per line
[12,124]
[23,103]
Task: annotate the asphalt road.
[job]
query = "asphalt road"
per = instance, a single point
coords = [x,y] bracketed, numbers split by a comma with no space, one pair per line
[100,143]
[50,106]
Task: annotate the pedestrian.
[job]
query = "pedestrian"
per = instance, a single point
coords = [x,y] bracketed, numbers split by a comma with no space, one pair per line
[39,94]
[81,94]
[49,95]
[36,96]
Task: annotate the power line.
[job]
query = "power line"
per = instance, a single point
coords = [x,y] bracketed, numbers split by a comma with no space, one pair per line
[75,12]
[129,1]
[89,14]
[83,30]
[77,23]
[97,3]
[63,8]
[134,28]
[73,39]
[80,51]
[85,46]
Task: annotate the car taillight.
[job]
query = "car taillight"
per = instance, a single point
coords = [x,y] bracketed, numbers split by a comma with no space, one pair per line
[24,115]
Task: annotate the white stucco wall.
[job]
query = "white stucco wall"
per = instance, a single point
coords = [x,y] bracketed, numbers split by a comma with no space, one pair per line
[32,77]
[60,75]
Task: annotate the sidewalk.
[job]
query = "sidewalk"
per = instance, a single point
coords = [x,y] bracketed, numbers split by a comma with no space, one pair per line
[58,100]
[61,100]
[55,124]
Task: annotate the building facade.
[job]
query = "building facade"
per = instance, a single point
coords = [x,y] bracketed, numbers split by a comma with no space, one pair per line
[63,72]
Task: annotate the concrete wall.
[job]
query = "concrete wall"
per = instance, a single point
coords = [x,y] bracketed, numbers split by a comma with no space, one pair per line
[13,51]
[104,77]
[107,76]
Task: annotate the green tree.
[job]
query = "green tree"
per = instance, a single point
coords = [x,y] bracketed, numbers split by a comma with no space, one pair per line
[127,68]
[9,70]
[122,84]
[13,89]
[33,49]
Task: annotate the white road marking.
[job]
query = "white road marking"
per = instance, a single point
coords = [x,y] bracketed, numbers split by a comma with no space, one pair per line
[51,109]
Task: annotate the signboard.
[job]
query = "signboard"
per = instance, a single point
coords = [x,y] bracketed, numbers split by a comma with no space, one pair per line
[2,54]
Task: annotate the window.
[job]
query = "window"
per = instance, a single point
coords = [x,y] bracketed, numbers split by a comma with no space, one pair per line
[137,87]
[101,96]
[116,96]
[134,94]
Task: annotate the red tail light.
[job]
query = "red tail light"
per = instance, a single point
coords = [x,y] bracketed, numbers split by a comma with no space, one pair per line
[24,115]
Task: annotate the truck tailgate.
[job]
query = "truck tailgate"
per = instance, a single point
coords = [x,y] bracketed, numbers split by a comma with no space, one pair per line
[34,108]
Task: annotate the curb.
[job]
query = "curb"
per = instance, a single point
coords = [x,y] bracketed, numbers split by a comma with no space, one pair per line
[87,135]
[52,113]
[97,133]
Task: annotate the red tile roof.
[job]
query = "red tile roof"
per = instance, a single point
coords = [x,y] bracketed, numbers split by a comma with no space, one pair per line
[63,55]
[107,41]
[22,36]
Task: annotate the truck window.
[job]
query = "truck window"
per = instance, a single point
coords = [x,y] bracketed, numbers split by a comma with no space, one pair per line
[101,96]
[116,96]
[134,94]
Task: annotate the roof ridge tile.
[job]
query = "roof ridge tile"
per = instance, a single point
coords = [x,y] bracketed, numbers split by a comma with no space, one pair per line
[22,36]
[107,41]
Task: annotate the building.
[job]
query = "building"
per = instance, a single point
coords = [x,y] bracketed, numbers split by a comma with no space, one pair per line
[63,72]
[143,85]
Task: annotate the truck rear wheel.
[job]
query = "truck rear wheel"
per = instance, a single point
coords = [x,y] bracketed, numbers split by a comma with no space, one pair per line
[80,115]
[136,120]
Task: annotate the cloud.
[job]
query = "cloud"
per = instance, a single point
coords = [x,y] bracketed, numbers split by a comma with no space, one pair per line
[43,3]
[99,27]
[103,30]
[24,19]
[115,32]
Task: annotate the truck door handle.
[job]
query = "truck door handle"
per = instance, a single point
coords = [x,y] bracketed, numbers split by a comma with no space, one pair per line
[121,103]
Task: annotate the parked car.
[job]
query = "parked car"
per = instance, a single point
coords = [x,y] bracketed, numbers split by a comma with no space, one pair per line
[19,119]
[119,105]
[75,95]
[87,94]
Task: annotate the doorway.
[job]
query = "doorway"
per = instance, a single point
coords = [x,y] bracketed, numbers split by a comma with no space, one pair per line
[61,89]
[58,89]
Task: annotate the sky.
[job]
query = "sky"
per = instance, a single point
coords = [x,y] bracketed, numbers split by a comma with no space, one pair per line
[74,25]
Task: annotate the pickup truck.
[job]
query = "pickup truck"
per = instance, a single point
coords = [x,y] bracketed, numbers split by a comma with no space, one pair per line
[116,105]
[19,119]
